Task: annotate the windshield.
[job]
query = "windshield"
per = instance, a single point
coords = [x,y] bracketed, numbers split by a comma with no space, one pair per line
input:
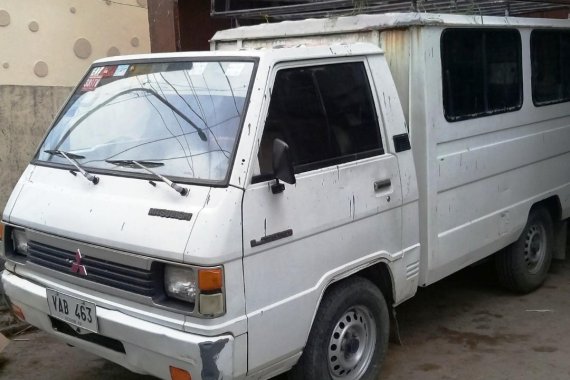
[182,116]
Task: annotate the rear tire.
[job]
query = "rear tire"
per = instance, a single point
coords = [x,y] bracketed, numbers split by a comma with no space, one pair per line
[523,266]
[349,337]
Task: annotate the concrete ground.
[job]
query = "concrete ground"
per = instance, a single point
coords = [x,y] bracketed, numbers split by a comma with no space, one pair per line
[467,327]
[464,327]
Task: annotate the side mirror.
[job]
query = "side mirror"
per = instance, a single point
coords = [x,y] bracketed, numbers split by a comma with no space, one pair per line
[282,164]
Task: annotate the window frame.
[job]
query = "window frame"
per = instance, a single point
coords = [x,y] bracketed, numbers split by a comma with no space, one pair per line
[560,32]
[520,73]
[323,164]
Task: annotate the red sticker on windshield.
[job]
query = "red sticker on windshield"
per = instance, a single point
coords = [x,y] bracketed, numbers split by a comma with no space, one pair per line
[108,71]
[91,84]
[96,75]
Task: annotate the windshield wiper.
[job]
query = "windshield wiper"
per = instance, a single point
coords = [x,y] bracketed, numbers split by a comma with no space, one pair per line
[131,164]
[145,165]
[199,130]
[71,157]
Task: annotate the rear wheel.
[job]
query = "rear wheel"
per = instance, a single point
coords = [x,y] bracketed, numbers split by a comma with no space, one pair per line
[524,265]
[349,337]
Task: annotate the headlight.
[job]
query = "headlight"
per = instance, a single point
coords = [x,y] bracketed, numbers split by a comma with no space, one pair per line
[180,283]
[20,241]
[203,287]
[13,242]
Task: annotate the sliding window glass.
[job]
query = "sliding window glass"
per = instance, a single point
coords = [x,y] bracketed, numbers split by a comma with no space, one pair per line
[481,72]
[550,57]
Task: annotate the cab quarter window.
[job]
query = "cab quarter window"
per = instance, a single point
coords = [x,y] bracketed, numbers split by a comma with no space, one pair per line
[324,113]
[481,72]
[550,59]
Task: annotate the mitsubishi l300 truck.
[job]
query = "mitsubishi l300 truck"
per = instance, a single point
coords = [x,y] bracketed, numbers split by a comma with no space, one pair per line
[264,206]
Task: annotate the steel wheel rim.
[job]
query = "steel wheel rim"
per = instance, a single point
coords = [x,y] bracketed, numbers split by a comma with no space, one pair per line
[535,248]
[352,344]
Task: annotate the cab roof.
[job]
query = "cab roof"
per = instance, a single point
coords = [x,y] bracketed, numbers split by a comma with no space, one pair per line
[269,55]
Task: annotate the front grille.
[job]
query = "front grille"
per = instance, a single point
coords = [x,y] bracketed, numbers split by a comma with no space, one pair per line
[130,279]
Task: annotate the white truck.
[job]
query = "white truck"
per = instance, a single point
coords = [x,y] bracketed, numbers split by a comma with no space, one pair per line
[264,206]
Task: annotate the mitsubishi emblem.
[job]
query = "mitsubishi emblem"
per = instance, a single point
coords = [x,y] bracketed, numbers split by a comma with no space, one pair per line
[76,266]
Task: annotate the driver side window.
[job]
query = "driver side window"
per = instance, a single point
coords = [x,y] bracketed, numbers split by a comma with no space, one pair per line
[324,113]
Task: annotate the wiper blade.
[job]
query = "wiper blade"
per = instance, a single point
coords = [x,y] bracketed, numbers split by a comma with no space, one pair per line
[131,164]
[71,157]
[143,165]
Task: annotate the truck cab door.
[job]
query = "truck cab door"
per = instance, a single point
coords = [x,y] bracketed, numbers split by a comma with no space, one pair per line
[343,212]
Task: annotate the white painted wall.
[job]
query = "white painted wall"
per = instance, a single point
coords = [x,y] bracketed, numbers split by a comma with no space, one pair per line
[52,42]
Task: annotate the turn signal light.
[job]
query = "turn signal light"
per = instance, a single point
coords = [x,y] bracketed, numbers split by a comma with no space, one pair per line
[210,279]
[1,232]
[179,374]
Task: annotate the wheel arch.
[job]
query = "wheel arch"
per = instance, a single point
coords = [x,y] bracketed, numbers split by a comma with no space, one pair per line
[381,276]
[552,205]
[560,229]
[378,273]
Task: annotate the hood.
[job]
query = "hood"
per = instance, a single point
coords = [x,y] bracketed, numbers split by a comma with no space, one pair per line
[123,213]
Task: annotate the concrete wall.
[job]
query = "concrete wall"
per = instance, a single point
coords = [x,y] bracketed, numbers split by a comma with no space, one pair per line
[46,47]
[25,113]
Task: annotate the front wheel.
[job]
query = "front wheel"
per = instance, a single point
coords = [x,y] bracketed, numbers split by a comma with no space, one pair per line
[349,337]
[523,266]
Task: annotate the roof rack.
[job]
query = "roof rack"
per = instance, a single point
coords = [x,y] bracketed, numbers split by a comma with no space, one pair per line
[298,9]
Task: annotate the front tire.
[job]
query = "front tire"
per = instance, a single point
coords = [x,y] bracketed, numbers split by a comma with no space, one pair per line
[523,266]
[349,337]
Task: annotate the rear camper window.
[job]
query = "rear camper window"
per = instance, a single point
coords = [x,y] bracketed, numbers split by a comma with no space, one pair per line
[482,72]
[550,57]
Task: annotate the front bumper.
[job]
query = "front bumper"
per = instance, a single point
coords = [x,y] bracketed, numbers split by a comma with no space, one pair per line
[148,348]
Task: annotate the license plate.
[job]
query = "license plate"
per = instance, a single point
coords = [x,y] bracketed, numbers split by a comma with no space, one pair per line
[72,310]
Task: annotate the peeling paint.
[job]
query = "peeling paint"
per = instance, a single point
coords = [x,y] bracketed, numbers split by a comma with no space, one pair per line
[353,207]
[209,353]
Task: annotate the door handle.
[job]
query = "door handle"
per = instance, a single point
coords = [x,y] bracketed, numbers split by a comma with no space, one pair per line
[382,184]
